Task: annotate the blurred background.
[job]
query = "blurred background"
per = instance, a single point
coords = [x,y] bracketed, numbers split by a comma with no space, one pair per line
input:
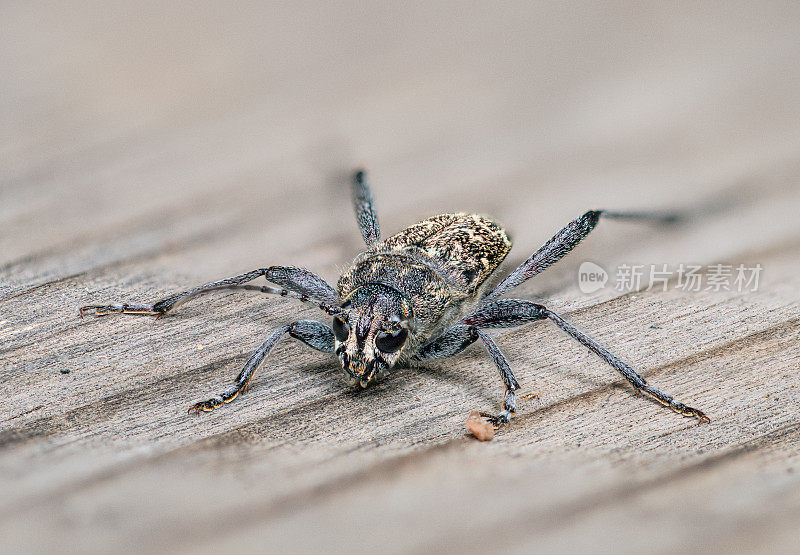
[113,113]
[150,146]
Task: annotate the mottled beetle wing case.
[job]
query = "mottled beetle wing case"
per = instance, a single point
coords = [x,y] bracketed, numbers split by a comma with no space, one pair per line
[465,248]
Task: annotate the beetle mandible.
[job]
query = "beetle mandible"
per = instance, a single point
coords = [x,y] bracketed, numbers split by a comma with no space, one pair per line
[424,293]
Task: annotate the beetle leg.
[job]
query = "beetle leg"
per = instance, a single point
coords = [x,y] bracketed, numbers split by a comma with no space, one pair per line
[514,312]
[638,382]
[505,313]
[459,337]
[364,205]
[159,308]
[567,239]
[296,283]
[314,334]
[509,400]
[450,343]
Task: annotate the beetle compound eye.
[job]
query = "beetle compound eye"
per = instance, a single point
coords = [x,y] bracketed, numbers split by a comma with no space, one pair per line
[389,342]
[340,329]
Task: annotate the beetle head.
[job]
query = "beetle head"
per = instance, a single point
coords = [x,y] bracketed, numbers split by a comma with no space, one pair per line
[374,332]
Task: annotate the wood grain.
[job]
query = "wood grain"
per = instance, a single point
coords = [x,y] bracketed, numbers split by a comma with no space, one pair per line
[145,150]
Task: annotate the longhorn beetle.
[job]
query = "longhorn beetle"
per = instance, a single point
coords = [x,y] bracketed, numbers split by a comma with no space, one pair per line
[420,294]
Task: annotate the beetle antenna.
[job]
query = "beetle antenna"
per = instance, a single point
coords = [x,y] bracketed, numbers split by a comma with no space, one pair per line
[333,310]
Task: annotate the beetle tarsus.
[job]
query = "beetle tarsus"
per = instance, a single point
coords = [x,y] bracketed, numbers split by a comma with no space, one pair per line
[498,420]
[120,308]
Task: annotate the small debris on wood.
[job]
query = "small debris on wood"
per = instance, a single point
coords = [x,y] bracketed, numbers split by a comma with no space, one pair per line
[479,427]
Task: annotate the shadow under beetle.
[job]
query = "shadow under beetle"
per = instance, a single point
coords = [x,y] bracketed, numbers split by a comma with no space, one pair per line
[420,294]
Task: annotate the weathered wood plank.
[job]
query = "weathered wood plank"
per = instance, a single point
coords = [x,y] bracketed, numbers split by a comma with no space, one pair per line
[148,149]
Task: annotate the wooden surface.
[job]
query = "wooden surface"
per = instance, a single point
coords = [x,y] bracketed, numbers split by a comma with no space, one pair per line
[144,150]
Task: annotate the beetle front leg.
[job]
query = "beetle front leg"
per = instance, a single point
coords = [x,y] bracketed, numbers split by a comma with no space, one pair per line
[314,334]
[458,338]
[504,417]
[510,399]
